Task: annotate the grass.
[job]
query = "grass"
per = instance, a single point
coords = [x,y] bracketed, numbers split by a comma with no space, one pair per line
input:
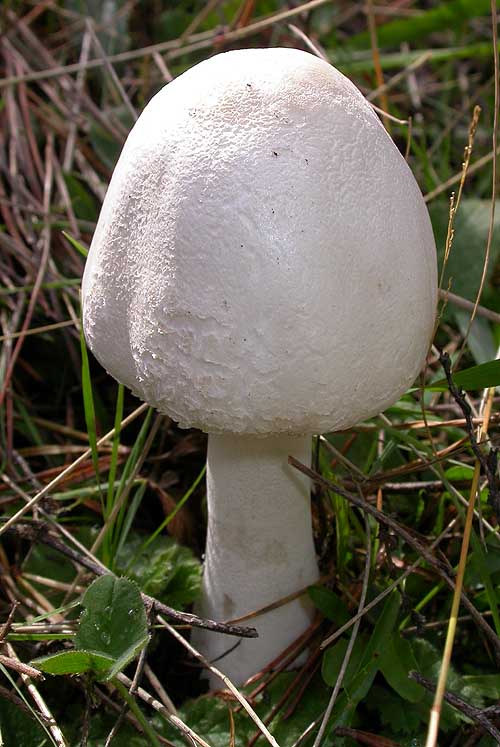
[93,482]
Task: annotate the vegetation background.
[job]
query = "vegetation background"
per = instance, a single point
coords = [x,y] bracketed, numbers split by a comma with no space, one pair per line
[408,507]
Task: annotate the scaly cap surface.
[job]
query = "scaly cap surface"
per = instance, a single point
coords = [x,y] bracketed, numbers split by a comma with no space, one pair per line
[264,260]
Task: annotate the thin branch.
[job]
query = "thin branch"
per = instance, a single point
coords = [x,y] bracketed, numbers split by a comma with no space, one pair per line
[227,682]
[475,714]
[39,532]
[442,568]
[176,48]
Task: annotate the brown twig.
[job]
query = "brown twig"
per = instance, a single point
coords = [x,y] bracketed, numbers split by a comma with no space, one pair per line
[488,461]
[442,568]
[40,532]
[475,714]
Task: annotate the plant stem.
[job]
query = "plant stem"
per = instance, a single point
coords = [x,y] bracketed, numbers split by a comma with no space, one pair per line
[129,700]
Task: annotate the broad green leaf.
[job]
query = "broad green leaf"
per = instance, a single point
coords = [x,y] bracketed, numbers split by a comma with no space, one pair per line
[82,200]
[163,569]
[355,690]
[396,663]
[209,716]
[75,662]
[383,629]
[114,622]
[393,713]
[334,656]
[465,264]
[363,664]
[484,685]
[459,472]
[112,631]
[481,341]
[477,377]
[19,728]
[330,604]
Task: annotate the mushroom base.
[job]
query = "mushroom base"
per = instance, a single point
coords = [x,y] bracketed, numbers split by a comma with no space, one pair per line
[259,548]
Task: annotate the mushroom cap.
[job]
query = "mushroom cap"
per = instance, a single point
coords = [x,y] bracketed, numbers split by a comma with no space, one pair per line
[264,261]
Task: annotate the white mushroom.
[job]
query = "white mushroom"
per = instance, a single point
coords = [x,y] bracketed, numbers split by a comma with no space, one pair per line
[263,269]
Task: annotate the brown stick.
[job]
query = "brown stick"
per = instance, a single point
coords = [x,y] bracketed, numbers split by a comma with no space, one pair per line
[40,532]
[439,566]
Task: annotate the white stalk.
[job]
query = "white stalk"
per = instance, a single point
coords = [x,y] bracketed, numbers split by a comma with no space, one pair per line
[259,546]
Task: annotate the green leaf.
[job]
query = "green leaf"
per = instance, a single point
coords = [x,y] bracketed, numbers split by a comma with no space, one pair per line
[445,15]
[82,200]
[74,662]
[100,726]
[334,656]
[163,569]
[398,660]
[383,629]
[459,472]
[105,145]
[392,712]
[477,377]
[465,264]
[355,691]
[365,651]
[483,685]
[112,631]
[330,604]
[209,716]
[114,622]
[19,728]
[363,665]
[481,341]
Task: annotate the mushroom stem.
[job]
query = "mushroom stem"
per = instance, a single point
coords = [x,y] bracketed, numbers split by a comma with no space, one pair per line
[259,546]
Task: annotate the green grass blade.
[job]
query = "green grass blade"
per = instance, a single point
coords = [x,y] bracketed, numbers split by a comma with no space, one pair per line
[75,244]
[166,521]
[130,515]
[447,15]
[114,464]
[88,405]
[116,529]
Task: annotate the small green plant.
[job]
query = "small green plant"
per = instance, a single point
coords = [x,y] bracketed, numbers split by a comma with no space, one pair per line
[112,631]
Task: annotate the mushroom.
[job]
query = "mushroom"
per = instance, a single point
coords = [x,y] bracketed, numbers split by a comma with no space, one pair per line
[264,269]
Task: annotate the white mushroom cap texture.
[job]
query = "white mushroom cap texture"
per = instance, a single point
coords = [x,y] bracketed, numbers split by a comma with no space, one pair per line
[264,261]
